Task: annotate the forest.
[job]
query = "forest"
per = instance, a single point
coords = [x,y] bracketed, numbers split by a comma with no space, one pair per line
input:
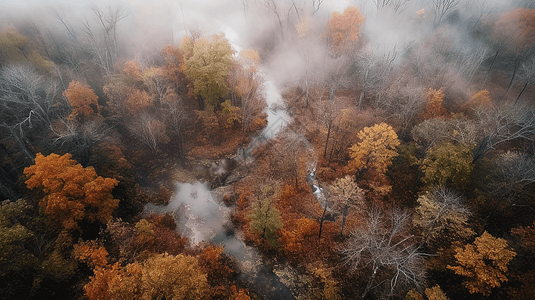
[295,149]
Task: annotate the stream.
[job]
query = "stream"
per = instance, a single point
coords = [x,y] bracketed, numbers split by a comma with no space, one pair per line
[202,217]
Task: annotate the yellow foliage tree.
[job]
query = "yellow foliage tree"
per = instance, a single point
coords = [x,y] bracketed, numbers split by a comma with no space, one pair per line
[484,263]
[373,154]
[83,101]
[72,193]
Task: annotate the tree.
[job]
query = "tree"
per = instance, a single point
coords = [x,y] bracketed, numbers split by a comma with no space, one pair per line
[382,247]
[265,217]
[175,116]
[16,48]
[328,112]
[208,67]
[27,106]
[373,154]
[159,277]
[510,178]
[149,130]
[434,107]
[246,83]
[442,8]
[484,263]
[138,101]
[83,101]
[345,194]
[103,42]
[503,124]
[442,217]
[72,193]
[528,73]
[480,99]
[14,256]
[517,30]
[343,29]
[448,164]
[435,293]
[91,253]
[527,236]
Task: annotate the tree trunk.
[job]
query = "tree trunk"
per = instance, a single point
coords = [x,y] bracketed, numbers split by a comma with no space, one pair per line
[327,140]
[513,77]
[490,68]
[344,215]
[370,282]
[181,149]
[322,218]
[361,97]
[306,90]
[523,89]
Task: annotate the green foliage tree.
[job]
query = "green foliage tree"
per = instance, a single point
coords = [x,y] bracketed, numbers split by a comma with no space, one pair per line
[484,263]
[207,67]
[265,217]
[448,164]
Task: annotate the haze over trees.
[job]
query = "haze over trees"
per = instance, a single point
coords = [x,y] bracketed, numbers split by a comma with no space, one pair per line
[403,166]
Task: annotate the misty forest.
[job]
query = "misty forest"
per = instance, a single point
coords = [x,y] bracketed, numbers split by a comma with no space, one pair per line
[267,149]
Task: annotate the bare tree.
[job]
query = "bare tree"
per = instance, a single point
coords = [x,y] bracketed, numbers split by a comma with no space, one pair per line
[373,68]
[528,73]
[327,113]
[27,103]
[77,138]
[176,116]
[149,130]
[316,5]
[442,8]
[514,172]
[397,6]
[103,41]
[384,248]
[503,124]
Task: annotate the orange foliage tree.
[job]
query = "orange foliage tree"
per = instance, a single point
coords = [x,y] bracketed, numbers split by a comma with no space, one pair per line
[138,101]
[83,101]
[344,28]
[159,277]
[91,253]
[217,270]
[480,99]
[433,107]
[72,193]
